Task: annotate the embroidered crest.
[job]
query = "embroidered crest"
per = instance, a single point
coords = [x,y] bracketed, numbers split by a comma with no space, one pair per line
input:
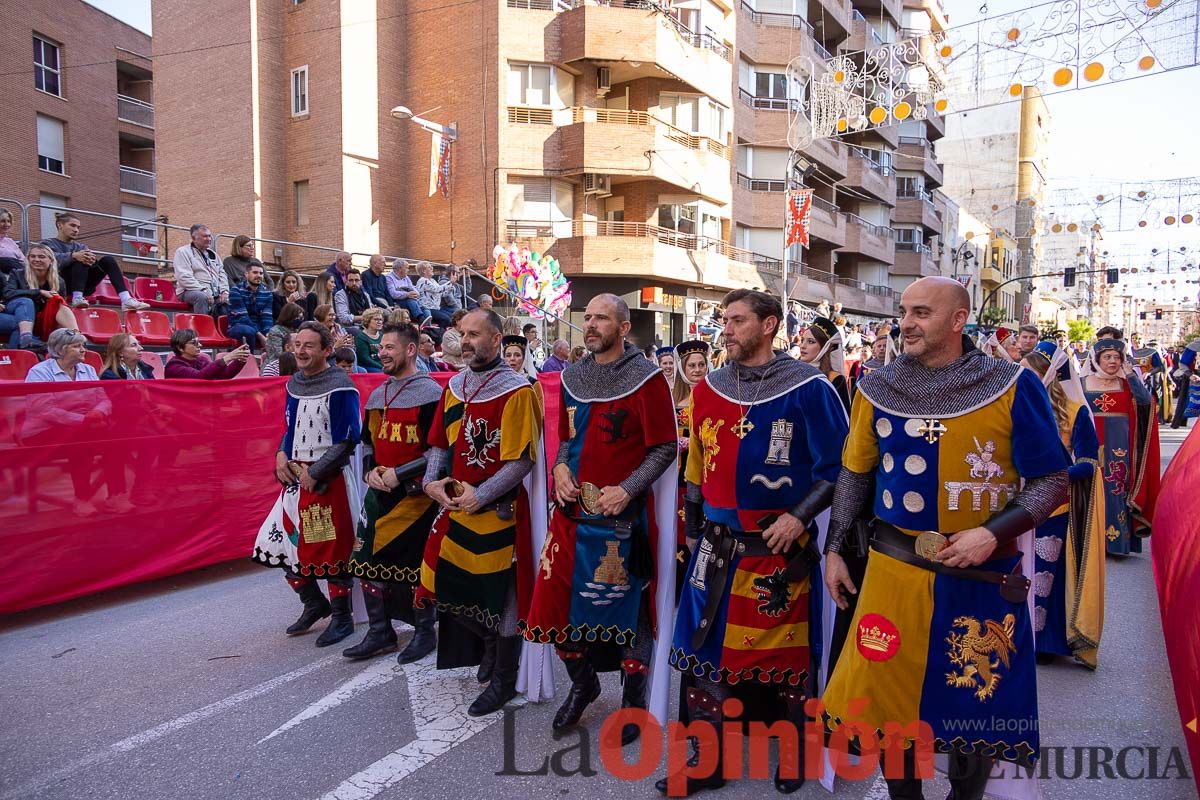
[932,430]
[878,637]
[972,651]
[1043,583]
[708,438]
[983,466]
[1111,533]
[611,581]
[316,524]
[480,442]
[1049,548]
[571,421]
[1117,474]
[700,569]
[616,424]
[780,446]
[1104,402]
[772,591]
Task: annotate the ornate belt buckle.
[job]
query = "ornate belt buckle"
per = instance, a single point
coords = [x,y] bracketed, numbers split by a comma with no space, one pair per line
[453,488]
[929,544]
[589,496]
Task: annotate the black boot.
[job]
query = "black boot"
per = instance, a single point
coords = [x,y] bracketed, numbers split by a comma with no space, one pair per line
[342,624]
[968,775]
[633,695]
[793,703]
[585,688]
[701,707]
[316,607]
[424,638]
[489,658]
[503,686]
[381,637]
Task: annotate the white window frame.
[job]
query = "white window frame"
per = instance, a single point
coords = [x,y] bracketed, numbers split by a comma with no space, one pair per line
[527,83]
[299,91]
[709,114]
[50,159]
[40,69]
[771,84]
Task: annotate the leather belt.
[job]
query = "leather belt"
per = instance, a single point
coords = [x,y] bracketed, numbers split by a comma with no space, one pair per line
[717,548]
[892,542]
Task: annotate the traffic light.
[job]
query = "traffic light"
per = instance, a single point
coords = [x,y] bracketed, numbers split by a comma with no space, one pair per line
[1111,277]
[1068,277]
[1158,313]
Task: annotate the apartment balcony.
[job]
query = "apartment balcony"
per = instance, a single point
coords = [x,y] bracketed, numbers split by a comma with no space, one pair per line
[935,125]
[874,242]
[632,249]
[862,36]
[834,15]
[831,154]
[990,276]
[918,209]
[615,142]
[873,8]
[772,38]
[917,153]
[914,259]
[769,120]
[138,181]
[869,175]
[637,40]
[827,223]
[866,298]
[137,112]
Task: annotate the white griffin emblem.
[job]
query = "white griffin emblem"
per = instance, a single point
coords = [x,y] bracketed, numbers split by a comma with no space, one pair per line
[982,465]
[479,442]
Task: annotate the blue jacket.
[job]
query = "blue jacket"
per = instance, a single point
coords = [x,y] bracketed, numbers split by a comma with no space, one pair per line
[375,287]
[250,307]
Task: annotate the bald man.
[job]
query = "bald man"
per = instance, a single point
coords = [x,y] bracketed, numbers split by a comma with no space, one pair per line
[940,441]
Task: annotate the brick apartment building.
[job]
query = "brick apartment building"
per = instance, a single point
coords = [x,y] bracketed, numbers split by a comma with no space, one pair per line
[79,124]
[640,145]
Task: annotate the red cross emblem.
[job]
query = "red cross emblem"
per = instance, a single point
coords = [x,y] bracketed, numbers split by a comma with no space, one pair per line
[1104,402]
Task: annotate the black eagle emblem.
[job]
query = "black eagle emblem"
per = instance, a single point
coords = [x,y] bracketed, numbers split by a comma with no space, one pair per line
[772,591]
[615,429]
[479,442]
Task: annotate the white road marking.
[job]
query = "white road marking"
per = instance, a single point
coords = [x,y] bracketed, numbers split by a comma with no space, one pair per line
[145,737]
[378,673]
[439,701]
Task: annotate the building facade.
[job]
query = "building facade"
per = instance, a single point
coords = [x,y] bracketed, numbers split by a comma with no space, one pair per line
[79,126]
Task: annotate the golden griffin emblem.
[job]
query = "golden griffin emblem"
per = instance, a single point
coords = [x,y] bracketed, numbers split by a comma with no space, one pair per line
[972,652]
[708,438]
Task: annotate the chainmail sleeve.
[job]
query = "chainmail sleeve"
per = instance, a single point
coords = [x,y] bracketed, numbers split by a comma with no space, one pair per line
[1032,506]
[504,481]
[563,451]
[334,459]
[657,459]
[435,464]
[851,499]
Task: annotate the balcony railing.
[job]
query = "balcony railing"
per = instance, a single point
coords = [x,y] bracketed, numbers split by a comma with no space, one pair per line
[820,48]
[701,41]
[761,184]
[529,115]
[875,166]
[878,230]
[920,141]
[611,116]
[540,5]
[138,181]
[774,20]
[825,205]
[875,37]
[915,247]
[139,112]
[768,103]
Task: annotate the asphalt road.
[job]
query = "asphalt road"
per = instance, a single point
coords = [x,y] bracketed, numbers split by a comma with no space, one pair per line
[187,689]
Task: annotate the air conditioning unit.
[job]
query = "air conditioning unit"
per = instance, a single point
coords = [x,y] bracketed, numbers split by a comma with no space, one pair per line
[603,80]
[597,184]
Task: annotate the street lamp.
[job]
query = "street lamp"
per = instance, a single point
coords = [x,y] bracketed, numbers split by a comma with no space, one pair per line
[448,132]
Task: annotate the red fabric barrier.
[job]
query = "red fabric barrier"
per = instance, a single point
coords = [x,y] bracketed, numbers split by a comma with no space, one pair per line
[1175,548]
[109,483]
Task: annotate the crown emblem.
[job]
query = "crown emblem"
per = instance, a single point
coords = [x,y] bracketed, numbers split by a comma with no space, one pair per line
[875,639]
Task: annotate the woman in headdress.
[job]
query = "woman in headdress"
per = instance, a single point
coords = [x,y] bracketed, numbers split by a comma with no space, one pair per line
[1129,458]
[515,348]
[691,365]
[1001,344]
[821,346]
[1068,580]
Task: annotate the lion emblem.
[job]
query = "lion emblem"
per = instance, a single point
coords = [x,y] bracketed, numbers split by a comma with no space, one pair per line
[772,591]
[708,438]
[972,652]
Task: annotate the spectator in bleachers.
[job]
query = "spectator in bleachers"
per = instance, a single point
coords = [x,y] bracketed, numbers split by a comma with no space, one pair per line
[289,290]
[41,283]
[341,337]
[427,360]
[321,295]
[577,353]
[200,279]
[250,308]
[560,358]
[123,360]
[284,367]
[290,317]
[402,291]
[452,341]
[64,361]
[429,295]
[374,282]
[82,269]
[189,362]
[240,257]
[455,294]
[399,316]
[273,365]
[485,301]
[350,303]
[17,313]
[343,357]
[11,257]
[367,339]
[339,270]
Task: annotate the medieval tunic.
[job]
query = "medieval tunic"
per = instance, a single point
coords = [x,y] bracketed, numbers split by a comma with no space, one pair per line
[595,572]
[757,448]
[947,449]
[312,533]
[1129,463]
[1154,374]
[396,431]
[490,423]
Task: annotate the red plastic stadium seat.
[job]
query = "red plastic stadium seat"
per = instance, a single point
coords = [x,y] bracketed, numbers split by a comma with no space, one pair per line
[155,360]
[158,293]
[14,364]
[150,327]
[98,324]
[105,294]
[205,328]
[92,359]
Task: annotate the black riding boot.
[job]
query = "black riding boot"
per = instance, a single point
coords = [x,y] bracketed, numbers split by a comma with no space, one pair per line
[342,624]
[585,688]
[424,638]
[702,708]
[633,695]
[793,702]
[503,686]
[489,658]
[968,776]
[316,607]
[381,636]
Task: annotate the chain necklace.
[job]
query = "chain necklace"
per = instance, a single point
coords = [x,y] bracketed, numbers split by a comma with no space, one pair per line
[400,386]
[744,426]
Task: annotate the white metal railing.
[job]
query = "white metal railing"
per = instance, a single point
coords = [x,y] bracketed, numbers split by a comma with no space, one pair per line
[139,112]
[138,181]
